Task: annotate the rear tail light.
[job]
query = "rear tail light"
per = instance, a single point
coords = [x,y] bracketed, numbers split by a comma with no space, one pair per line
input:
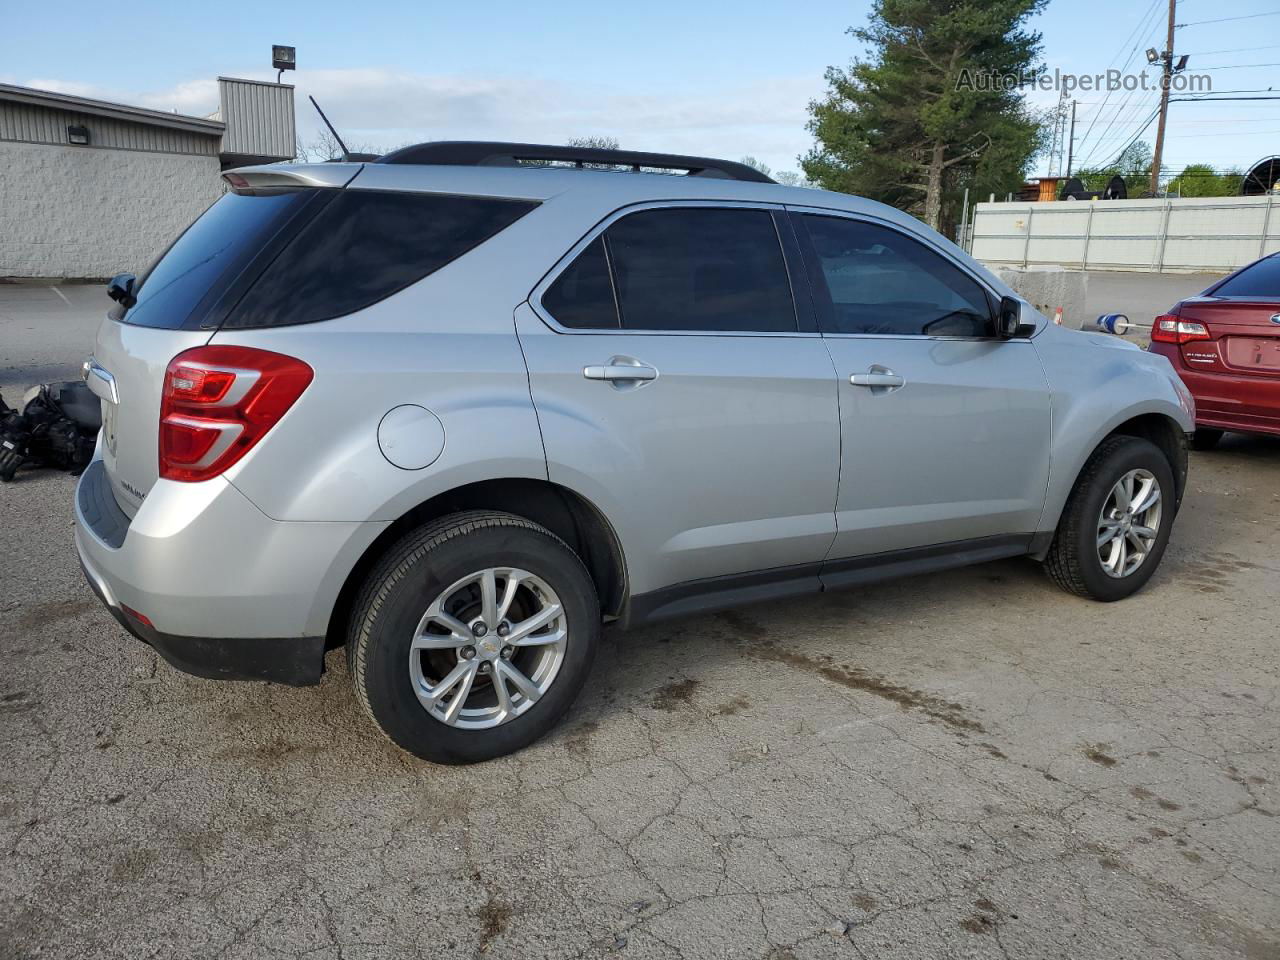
[1169,329]
[218,401]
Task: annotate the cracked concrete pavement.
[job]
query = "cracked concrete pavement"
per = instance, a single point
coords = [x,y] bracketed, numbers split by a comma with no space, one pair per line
[964,765]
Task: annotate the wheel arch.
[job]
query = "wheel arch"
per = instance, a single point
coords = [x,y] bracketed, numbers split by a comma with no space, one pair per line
[565,512]
[1161,429]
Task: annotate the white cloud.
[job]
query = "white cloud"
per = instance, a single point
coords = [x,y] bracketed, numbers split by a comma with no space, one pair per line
[384,108]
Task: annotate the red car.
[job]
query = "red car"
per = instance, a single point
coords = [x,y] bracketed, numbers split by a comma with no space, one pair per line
[1225,345]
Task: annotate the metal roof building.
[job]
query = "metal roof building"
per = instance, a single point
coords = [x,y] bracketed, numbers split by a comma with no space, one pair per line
[90,188]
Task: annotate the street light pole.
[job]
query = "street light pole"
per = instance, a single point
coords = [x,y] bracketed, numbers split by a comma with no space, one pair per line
[1166,72]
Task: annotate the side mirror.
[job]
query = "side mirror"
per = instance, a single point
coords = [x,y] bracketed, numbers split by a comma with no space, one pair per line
[120,289]
[1009,320]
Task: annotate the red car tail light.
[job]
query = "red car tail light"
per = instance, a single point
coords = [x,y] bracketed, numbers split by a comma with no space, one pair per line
[1169,329]
[218,401]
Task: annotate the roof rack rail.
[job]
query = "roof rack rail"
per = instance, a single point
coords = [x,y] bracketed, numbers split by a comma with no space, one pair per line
[478,153]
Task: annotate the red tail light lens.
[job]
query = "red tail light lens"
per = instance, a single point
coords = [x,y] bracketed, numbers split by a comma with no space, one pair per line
[1169,329]
[218,401]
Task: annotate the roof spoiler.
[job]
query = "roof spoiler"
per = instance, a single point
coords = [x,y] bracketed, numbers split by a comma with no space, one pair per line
[272,178]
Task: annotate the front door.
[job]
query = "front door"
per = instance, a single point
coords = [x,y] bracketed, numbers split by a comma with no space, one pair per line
[675,390]
[946,429]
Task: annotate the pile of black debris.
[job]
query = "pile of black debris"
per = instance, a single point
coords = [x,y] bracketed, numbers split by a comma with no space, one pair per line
[56,428]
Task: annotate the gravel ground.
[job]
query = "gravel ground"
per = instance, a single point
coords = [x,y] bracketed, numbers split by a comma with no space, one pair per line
[970,764]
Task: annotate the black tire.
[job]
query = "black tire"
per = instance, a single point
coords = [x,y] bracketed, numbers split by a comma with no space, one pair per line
[418,569]
[1073,562]
[1205,439]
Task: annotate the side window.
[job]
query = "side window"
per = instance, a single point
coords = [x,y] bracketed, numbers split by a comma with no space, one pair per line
[363,247]
[696,268]
[582,296]
[882,281]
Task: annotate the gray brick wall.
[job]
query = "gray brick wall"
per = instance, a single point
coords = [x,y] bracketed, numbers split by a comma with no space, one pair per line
[76,212]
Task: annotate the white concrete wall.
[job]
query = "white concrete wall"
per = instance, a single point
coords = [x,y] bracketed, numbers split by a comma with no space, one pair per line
[81,212]
[1209,234]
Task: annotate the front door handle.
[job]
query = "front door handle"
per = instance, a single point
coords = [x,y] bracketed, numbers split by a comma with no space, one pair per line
[621,371]
[877,379]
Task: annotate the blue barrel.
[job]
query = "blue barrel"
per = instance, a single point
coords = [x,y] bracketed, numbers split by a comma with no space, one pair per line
[1116,323]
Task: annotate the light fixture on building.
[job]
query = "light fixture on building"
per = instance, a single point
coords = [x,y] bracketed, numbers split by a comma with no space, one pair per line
[78,135]
[283,58]
[1153,55]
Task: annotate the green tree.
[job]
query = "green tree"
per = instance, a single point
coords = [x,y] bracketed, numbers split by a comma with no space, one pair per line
[1201,180]
[758,165]
[1133,165]
[921,114]
[598,143]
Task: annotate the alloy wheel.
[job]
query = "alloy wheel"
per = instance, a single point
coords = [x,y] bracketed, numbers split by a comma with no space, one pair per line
[1129,523]
[488,647]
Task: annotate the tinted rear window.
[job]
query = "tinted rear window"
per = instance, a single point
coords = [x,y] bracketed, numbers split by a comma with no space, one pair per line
[701,269]
[364,246]
[219,243]
[1260,280]
[582,296]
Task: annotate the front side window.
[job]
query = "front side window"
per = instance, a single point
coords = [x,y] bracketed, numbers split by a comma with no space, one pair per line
[883,282]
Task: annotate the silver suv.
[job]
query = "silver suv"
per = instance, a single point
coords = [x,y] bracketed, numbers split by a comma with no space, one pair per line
[461,408]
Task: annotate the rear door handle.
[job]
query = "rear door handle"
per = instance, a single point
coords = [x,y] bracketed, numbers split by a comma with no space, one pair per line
[877,380]
[621,370]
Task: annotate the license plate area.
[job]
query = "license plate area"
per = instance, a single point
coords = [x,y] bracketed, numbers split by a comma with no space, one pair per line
[1254,354]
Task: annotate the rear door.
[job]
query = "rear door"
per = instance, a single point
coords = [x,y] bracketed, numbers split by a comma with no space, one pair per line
[946,429]
[676,387]
[1242,317]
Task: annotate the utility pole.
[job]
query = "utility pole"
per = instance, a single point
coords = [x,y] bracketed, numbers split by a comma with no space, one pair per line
[1166,72]
[1071,143]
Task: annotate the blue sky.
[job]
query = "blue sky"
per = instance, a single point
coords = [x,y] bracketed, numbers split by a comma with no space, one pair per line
[715,78]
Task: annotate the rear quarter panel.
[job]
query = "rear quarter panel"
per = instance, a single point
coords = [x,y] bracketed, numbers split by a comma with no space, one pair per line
[446,343]
[1097,382]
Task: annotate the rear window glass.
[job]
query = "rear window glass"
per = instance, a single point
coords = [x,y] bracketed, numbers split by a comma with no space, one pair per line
[582,296]
[224,237]
[364,246]
[1260,280]
[701,269]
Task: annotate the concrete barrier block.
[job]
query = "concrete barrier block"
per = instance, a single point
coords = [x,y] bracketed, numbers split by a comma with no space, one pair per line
[1047,288]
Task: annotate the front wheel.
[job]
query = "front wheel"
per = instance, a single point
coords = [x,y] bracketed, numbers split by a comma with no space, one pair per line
[473,636]
[1116,523]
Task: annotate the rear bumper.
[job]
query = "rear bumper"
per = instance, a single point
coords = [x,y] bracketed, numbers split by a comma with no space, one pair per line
[1228,401]
[296,661]
[225,591]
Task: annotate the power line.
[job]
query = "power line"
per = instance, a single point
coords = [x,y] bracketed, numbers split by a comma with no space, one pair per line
[1143,129]
[1251,16]
[1240,66]
[1144,24]
[1207,53]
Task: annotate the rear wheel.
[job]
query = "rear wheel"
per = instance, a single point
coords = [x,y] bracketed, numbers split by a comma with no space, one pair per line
[473,636]
[1116,523]
[1205,439]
